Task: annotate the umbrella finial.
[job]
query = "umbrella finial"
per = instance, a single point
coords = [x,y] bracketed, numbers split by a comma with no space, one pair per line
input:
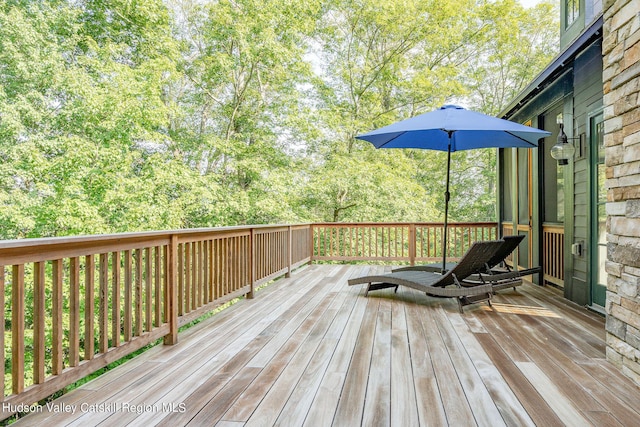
[448,106]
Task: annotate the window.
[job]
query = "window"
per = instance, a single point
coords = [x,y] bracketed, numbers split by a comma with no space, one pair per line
[572,11]
[553,174]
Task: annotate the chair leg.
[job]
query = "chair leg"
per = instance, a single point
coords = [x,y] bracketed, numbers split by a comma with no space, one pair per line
[467,300]
[376,286]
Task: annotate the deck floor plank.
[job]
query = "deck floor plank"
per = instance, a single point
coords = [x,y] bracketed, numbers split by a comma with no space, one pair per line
[513,413]
[404,408]
[539,411]
[310,385]
[276,398]
[428,398]
[454,399]
[274,359]
[310,350]
[216,407]
[377,408]
[350,406]
[482,404]
[576,379]
[555,398]
[567,376]
[324,406]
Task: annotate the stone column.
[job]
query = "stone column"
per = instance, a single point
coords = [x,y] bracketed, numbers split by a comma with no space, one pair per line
[621,77]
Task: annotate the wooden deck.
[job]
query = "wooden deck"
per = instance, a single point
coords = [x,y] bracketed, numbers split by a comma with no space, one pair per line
[310,350]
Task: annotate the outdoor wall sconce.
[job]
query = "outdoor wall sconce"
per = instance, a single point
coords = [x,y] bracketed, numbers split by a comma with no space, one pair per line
[563,150]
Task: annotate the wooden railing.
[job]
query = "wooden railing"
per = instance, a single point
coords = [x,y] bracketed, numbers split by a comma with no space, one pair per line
[398,242]
[552,251]
[553,254]
[507,230]
[73,305]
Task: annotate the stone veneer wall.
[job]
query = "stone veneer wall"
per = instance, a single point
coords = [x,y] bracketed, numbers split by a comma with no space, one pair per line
[621,76]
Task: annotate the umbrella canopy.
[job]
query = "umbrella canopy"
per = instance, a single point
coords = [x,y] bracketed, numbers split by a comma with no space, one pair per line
[452,128]
[455,127]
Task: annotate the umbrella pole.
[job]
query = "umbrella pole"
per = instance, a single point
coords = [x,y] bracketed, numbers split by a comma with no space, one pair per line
[447,196]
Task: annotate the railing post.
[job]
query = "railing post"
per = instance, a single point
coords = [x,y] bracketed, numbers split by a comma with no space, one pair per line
[289,242]
[412,244]
[311,232]
[252,263]
[172,291]
[17,329]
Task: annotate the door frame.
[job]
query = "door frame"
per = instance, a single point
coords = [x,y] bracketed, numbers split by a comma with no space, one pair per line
[592,249]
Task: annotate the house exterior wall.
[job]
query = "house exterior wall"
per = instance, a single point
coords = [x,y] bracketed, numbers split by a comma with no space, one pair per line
[575,90]
[587,99]
[621,75]
[590,10]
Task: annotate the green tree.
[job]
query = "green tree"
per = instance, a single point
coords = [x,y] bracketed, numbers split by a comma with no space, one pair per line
[244,70]
[131,115]
[379,62]
[516,45]
[83,111]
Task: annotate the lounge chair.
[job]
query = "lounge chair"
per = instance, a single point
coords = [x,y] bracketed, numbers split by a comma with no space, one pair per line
[451,284]
[496,267]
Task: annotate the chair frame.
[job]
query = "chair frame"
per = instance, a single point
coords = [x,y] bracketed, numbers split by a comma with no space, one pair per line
[453,283]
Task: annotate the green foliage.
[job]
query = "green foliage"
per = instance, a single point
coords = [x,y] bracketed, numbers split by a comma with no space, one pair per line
[136,115]
[516,45]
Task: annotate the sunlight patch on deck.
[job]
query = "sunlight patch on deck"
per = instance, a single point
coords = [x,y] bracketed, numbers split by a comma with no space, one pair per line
[520,309]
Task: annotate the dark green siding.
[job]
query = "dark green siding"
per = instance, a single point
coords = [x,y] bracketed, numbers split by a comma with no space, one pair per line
[587,99]
[576,89]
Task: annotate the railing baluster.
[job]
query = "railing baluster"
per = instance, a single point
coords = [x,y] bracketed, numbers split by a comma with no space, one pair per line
[233,263]
[115,299]
[103,322]
[128,295]
[38,322]
[157,280]
[244,265]
[205,272]
[222,272]
[148,295]
[216,268]
[195,275]
[168,268]
[89,268]
[57,360]
[236,263]
[200,269]
[17,328]
[187,277]
[211,284]
[226,268]
[181,280]
[138,294]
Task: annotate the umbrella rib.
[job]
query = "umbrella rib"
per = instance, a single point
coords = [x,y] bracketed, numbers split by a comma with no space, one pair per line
[528,142]
[395,137]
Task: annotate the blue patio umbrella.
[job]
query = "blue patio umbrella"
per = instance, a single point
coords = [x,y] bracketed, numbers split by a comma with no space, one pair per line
[452,128]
